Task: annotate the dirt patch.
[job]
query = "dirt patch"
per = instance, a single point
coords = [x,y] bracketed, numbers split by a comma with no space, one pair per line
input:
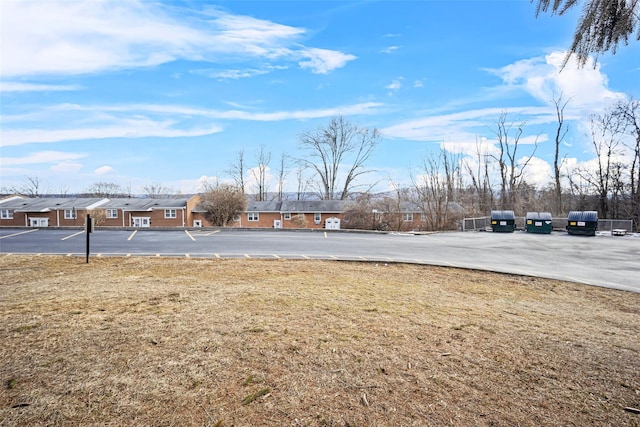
[166,341]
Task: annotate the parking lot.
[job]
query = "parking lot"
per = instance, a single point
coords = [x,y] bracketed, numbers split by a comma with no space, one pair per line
[603,260]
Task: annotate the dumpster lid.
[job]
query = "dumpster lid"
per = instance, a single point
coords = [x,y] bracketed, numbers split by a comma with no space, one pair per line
[502,215]
[586,216]
[545,216]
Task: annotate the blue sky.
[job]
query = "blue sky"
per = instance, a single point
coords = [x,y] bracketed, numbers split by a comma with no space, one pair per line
[140,93]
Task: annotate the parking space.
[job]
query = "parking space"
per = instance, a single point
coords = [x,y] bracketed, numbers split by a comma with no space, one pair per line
[602,260]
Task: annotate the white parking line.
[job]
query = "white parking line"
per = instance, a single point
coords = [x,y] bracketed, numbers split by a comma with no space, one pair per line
[276,256]
[190,236]
[213,232]
[132,234]
[247,256]
[17,234]
[73,235]
[217,255]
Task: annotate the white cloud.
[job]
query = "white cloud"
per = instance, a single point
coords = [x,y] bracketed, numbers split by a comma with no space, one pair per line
[418,83]
[395,84]
[461,126]
[103,170]
[537,172]
[42,157]
[543,78]
[135,128]
[67,167]
[321,61]
[35,87]
[86,37]
[390,49]
[190,186]
[132,121]
[234,74]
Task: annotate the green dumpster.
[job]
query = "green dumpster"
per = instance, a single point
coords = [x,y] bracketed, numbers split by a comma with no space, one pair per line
[503,221]
[582,222]
[538,222]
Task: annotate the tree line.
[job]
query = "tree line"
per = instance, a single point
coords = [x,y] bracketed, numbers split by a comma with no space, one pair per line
[444,186]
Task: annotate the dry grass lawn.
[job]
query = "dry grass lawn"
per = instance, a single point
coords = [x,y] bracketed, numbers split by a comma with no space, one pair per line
[166,341]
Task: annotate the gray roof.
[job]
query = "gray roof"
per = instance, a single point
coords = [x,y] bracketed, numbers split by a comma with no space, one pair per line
[312,206]
[27,204]
[144,204]
[253,206]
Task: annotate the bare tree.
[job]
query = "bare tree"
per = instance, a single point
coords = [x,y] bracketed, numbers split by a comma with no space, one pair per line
[478,172]
[222,202]
[237,171]
[361,214]
[603,26]
[337,153]
[157,190]
[104,189]
[511,170]
[434,188]
[282,174]
[629,113]
[302,180]
[263,158]
[33,186]
[605,140]
[561,132]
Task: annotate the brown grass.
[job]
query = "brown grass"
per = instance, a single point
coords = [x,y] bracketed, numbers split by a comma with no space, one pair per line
[162,341]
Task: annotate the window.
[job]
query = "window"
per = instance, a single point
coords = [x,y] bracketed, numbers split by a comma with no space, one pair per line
[170,213]
[69,214]
[6,214]
[317,217]
[112,213]
[407,216]
[423,218]
[253,216]
[287,216]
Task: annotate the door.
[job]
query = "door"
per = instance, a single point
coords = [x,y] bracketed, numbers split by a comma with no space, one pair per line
[141,221]
[39,222]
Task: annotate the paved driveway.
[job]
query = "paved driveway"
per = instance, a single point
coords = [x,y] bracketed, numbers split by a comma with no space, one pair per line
[603,260]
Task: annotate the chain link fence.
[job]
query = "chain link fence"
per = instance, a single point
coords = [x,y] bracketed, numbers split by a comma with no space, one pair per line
[484,224]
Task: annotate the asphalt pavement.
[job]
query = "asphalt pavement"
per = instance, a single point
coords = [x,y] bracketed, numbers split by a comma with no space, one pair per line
[603,260]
